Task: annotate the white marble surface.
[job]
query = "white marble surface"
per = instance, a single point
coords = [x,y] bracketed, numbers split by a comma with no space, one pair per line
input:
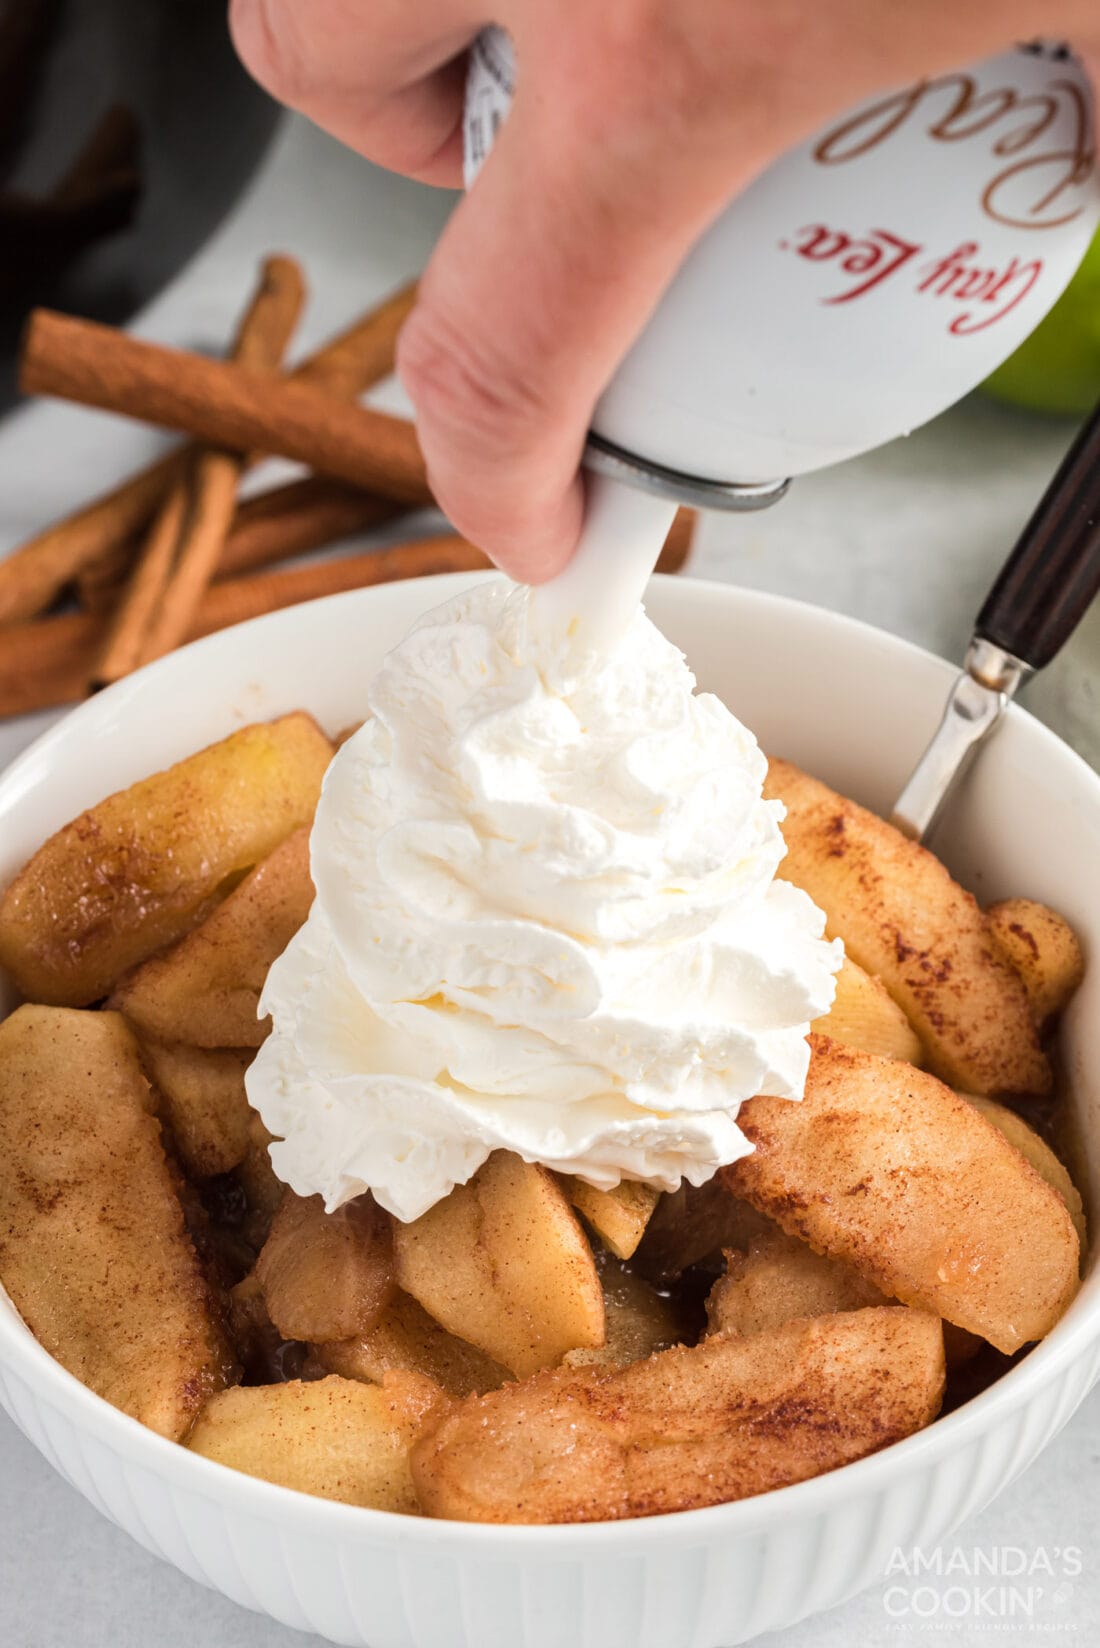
[907,538]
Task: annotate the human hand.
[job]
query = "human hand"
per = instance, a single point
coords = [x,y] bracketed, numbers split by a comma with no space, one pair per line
[634,123]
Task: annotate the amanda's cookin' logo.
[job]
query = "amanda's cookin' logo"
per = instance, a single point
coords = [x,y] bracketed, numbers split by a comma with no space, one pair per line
[998,1587]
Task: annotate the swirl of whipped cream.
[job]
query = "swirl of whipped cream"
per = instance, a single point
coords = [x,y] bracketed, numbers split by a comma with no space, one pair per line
[546,921]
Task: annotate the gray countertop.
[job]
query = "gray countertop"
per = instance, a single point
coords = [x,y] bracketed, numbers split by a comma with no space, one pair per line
[907,538]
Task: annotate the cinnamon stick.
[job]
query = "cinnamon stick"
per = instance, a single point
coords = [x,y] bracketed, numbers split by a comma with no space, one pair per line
[210,500]
[238,599]
[291,520]
[363,354]
[99,585]
[269,527]
[260,343]
[188,533]
[32,576]
[47,661]
[222,404]
[125,629]
[310,514]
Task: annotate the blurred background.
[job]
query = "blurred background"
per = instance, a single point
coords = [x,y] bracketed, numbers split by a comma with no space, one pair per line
[127,129]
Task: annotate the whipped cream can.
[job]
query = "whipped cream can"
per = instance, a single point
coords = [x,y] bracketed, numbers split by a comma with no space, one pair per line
[861,284]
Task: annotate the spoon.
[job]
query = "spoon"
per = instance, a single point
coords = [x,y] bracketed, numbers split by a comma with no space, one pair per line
[1040,596]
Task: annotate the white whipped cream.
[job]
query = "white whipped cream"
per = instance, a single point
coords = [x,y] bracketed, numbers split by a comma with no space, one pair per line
[546,921]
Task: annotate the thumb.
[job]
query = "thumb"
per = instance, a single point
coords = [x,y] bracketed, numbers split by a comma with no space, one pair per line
[545,274]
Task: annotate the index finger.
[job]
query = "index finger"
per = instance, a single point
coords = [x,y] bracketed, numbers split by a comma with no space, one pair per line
[383,76]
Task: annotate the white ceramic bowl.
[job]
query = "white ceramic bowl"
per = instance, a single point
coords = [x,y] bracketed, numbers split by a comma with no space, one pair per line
[850,703]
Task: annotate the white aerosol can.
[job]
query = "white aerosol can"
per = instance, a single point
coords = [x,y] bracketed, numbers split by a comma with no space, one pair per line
[864,282]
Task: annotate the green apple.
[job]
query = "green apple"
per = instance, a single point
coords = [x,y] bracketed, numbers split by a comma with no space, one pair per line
[1057,368]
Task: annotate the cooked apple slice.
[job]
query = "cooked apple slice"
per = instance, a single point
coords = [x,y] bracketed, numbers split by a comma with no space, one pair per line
[326,1275]
[503,1262]
[93,1249]
[903,919]
[205,989]
[640,1321]
[143,867]
[1044,950]
[780,1279]
[262,1187]
[883,1166]
[618,1216]
[405,1337]
[256,1340]
[1036,1151]
[331,1437]
[865,1015]
[731,1417]
[204,1103]
[694,1226]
